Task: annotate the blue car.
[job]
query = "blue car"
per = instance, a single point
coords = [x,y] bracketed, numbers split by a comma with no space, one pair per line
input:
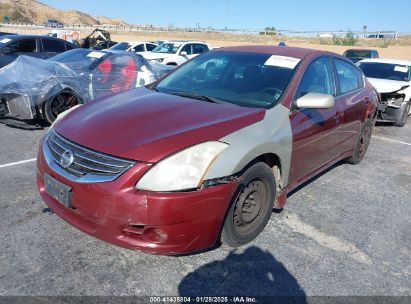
[12,46]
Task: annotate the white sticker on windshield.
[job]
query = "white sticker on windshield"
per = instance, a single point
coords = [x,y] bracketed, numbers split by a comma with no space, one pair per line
[282,61]
[95,55]
[5,40]
[401,69]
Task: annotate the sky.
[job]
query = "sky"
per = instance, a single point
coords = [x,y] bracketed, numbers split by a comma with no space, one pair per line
[253,14]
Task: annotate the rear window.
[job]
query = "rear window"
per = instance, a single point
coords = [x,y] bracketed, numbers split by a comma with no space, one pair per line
[358,54]
[385,71]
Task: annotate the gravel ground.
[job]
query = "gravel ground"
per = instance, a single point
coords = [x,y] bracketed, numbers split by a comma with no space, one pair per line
[346,233]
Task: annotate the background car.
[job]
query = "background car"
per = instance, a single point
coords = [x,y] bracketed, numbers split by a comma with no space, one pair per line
[392,79]
[140,47]
[358,54]
[177,52]
[12,46]
[54,23]
[208,151]
[49,87]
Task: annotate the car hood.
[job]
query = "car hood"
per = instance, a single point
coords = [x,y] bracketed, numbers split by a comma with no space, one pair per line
[387,86]
[152,55]
[144,125]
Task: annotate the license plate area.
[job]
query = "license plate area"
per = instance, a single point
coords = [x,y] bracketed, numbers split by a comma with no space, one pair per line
[57,190]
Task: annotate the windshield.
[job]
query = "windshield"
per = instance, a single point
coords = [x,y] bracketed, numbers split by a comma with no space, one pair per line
[79,58]
[358,54]
[167,48]
[386,71]
[245,79]
[122,46]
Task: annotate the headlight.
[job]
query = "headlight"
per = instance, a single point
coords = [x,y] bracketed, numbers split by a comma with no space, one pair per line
[183,170]
[160,59]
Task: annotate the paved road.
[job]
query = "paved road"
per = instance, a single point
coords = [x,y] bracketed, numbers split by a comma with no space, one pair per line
[345,233]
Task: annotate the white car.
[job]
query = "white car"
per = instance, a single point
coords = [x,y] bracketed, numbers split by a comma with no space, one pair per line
[392,79]
[177,52]
[140,47]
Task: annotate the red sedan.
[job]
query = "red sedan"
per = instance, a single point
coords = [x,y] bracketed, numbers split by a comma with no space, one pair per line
[207,152]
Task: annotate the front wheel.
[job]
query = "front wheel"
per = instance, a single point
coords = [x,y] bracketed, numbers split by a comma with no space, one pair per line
[251,207]
[401,114]
[58,104]
[362,143]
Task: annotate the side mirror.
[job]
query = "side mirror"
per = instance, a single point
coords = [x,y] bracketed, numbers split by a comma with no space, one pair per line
[183,53]
[315,101]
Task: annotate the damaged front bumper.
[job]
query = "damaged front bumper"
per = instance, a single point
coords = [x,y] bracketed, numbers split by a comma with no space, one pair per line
[17,105]
[389,104]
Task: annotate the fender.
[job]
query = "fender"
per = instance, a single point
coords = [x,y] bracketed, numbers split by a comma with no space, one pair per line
[270,135]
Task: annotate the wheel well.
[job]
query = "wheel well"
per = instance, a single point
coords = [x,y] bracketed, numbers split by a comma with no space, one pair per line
[274,162]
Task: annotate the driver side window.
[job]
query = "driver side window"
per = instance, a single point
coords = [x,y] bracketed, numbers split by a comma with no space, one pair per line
[317,78]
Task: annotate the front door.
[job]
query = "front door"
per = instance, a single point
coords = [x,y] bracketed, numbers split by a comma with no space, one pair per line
[314,130]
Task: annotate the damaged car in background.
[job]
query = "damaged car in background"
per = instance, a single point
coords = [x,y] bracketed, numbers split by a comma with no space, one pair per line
[392,80]
[50,87]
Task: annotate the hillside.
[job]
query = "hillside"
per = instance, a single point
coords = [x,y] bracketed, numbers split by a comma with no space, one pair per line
[32,11]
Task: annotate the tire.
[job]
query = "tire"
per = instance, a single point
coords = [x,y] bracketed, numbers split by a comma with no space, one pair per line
[362,143]
[251,206]
[56,105]
[401,114]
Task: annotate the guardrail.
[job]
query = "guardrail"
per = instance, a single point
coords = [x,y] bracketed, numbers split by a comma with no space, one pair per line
[133,28]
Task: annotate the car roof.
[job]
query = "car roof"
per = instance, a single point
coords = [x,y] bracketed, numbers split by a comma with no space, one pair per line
[18,37]
[361,50]
[295,52]
[184,41]
[388,60]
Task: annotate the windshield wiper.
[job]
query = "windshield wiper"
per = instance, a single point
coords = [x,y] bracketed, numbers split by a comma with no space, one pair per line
[197,96]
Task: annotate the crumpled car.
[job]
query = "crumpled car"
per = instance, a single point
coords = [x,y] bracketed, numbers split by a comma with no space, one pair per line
[31,87]
[392,80]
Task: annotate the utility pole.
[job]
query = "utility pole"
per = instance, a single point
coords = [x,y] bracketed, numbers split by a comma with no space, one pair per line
[227,13]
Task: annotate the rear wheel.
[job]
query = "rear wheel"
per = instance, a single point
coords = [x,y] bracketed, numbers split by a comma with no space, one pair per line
[401,114]
[362,143]
[58,104]
[251,207]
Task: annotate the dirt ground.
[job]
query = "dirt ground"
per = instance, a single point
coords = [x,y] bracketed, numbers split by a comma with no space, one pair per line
[398,49]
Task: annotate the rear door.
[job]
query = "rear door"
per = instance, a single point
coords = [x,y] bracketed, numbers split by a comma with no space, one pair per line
[352,101]
[314,130]
[52,47]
